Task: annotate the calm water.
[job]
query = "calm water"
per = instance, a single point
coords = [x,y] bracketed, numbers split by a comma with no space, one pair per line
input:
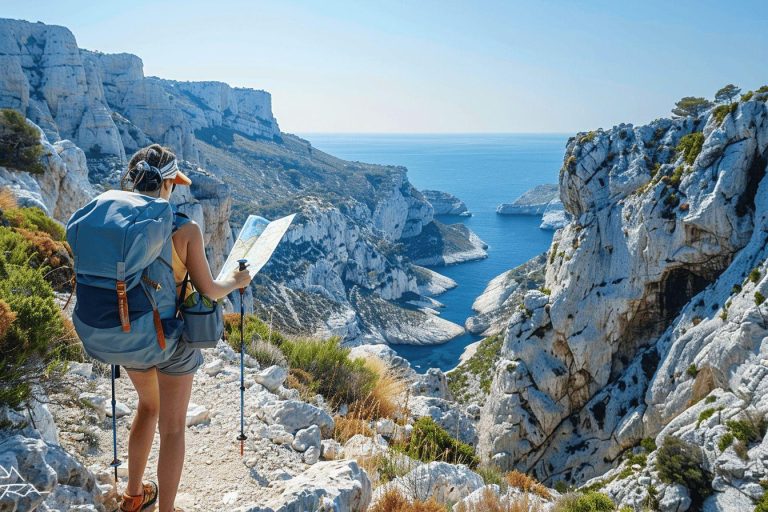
[483,171]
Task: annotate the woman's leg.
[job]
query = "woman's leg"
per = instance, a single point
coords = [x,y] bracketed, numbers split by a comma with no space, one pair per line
[143,427]
[174,399]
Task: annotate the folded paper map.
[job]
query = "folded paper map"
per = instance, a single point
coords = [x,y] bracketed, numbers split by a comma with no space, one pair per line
[256,242]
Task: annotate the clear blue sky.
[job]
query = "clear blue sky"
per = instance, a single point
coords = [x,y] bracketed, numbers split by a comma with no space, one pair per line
[436,66]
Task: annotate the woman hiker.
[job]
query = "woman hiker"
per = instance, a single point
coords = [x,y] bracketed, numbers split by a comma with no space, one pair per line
[164,390]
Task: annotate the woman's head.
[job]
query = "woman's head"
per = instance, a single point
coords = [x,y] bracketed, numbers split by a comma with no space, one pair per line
[153,171]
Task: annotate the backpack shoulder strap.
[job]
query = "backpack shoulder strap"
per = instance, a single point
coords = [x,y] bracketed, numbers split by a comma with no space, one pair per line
[179,219]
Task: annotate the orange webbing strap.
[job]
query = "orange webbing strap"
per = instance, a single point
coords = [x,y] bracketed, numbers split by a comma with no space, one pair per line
[122,306]
[159,329]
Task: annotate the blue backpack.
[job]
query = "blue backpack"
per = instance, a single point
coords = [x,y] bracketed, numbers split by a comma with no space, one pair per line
[126,311]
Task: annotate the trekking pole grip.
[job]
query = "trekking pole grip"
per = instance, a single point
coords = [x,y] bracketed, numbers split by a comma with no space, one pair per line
[241,267]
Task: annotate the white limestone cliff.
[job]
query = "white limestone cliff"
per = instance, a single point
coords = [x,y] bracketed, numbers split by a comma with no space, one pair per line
[639,281]
[445,203]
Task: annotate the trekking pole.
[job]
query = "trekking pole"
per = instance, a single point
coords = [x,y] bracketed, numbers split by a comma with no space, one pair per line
[115,461]
[242,437]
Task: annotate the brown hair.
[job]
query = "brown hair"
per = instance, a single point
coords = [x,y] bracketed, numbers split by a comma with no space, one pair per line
[155,155]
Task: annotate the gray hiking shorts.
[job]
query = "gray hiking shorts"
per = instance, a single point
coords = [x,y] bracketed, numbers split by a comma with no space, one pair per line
[185,360]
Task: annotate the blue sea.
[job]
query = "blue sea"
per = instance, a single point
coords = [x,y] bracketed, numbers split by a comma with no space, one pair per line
[483,170]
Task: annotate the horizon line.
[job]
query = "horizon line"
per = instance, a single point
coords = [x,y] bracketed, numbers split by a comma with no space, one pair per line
[428,133]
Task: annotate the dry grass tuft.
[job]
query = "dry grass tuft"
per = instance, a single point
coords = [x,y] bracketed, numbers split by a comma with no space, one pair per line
[382,401]
[302,381]
[394,501]
[346,426]
[7,199]
[491,502]
[527,484]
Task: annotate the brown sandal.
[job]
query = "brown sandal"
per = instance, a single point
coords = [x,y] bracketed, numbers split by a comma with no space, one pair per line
[141,502]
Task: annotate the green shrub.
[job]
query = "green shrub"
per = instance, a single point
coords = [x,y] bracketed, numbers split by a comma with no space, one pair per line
[736,289]
[332,373]
[747,431]
[31,344]
[677,176]
[480,365]
[430,442]
[338,378]
[710,399]
[587,502]
[35,219]
[755,275]
[648,444]
[706,414]
[637,458]
[762,503]
[690,146]
[759,298]
[692,370]
[680,462]
[492,475]
[747,96]
[725,441]
[253,329]
[762,89]
[721,112]
[20,146]
[587,137]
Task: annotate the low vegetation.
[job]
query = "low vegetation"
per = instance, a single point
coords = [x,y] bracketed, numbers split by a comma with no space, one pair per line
[35,341]
[325,365]
[587,502]
[20,147]
[394,501]
[479,366]
[526,484]
[755,275]
[722,111]
[690,146]
[489,501]
[680,462]
[430,442]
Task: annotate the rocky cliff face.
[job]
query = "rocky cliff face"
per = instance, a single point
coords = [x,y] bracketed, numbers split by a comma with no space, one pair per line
[61,189]
[105,104]
[642,281]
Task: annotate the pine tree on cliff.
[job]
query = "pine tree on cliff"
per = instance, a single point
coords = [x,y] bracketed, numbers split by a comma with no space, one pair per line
[727,93]
[691,107]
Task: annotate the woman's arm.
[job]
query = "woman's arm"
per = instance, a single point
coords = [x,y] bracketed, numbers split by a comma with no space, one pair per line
[188,242]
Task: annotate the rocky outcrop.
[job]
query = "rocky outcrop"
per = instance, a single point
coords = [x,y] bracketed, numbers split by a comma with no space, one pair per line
[554,216]
[105,105]
[533,202]
[333,275]
[541,200]
[62,188]
[445,203]
[446,483]
[445,244]
[335,485]
[503,295]
[642,284]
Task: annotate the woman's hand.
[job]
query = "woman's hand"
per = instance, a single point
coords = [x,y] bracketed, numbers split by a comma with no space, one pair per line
[241,277]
